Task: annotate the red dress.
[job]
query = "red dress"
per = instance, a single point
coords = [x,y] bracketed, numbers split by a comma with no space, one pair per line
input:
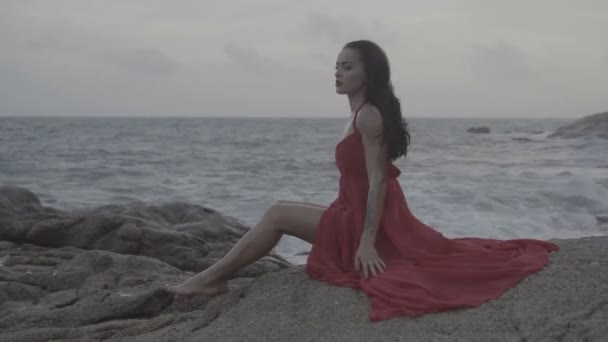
[425,271]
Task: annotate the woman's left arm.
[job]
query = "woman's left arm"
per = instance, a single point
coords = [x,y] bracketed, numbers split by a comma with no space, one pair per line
[376,161]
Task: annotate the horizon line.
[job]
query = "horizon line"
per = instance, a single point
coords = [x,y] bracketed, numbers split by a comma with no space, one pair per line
[274,117]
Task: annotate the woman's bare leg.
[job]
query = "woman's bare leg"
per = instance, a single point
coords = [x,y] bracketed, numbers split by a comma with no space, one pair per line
[297,219]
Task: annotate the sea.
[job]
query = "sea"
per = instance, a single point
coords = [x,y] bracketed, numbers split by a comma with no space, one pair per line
[514,182]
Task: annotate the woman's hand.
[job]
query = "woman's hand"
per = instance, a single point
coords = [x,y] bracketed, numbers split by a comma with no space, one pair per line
[367,259]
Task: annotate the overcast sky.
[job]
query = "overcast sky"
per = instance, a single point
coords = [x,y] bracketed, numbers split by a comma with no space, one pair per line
[465,58]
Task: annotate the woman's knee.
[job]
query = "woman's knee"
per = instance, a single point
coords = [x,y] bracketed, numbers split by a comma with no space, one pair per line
[275,213]
[295,219]
[280,215]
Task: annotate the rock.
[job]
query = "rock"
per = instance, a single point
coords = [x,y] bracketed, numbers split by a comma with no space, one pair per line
[561,302]
[89,274]
[566,301]
[61,292]
[591,126]
[180,234]
[479,130]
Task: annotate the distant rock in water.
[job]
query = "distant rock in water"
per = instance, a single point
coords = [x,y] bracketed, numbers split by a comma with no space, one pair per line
[522,139]
[595,125]
[527,132]
[479,130]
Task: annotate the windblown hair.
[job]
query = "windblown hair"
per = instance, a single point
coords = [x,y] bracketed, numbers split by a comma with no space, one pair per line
[379,92]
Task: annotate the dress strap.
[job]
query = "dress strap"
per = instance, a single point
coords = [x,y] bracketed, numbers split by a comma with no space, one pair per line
[357,112]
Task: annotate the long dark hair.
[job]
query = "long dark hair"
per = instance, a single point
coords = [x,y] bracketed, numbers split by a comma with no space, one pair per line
[379,92]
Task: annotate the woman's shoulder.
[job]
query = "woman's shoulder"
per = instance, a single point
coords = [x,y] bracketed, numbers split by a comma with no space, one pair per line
[369,120]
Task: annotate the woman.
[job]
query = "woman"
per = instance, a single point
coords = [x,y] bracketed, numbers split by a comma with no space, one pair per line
[367,238]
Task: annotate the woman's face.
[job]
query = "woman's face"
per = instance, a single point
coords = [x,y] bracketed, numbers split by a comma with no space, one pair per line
[350,76]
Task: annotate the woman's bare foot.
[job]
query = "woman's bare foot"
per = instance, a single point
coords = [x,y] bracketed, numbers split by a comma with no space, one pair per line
[194,287]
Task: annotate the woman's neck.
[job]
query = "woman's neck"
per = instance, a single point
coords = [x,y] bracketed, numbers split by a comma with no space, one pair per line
[356,99]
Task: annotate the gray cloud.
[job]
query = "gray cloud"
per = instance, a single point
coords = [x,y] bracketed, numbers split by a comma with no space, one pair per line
[143,61]
[340,30]
[327,27]
[249,60]
[275,58]
[72,41]
[500,61]
[266,7]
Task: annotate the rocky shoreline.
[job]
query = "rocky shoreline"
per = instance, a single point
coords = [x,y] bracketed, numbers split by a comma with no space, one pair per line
[99,275]
[590,126]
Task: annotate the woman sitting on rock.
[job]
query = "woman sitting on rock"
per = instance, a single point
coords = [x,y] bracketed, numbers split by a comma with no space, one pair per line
[368,238]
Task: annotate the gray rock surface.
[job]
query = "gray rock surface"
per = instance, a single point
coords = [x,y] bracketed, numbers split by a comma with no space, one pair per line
[189,237]
[591,126]
[83,289]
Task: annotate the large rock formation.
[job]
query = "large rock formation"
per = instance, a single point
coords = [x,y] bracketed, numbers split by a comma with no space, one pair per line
[188,237]
[593,126]
[98,275]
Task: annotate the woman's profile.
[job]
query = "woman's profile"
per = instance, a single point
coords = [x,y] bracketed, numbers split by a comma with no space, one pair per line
[367,238]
